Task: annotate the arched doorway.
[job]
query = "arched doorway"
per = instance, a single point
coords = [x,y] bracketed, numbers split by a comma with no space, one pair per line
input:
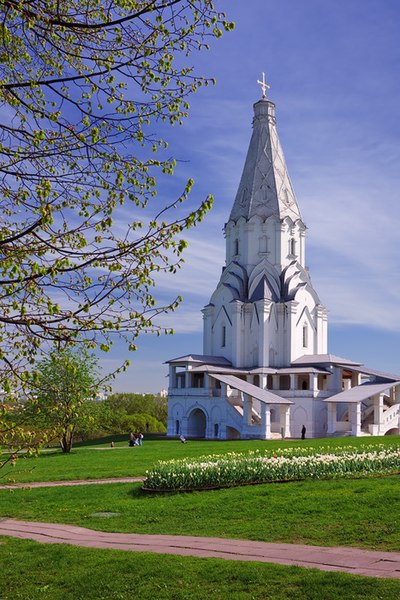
[393,431]
[197,423]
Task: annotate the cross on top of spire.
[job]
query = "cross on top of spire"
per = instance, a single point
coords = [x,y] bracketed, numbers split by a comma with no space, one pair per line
[264,85]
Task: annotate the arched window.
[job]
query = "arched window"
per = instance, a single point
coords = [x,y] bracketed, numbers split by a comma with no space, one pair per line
[292,247]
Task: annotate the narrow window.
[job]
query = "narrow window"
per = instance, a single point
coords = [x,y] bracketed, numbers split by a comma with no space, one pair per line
[264,244]
[305,336]
[236,247]
[292,247]
[223,336]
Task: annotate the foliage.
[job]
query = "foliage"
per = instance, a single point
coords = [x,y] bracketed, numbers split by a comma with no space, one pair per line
[129,404]
[142,422]
[65,383]
[289,465]
[84,85]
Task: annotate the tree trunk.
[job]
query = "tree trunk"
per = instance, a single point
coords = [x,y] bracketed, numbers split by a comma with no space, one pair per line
[66,442]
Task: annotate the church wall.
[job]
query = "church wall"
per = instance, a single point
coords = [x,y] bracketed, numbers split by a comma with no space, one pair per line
[310,412]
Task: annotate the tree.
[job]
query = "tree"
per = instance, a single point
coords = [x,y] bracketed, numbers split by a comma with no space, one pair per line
[83,83]
[66,382]
[130,403]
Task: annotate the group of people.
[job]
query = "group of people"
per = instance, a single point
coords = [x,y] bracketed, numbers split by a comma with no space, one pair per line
[135,439]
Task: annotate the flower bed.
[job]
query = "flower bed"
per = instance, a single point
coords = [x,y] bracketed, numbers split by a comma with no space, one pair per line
[235,469]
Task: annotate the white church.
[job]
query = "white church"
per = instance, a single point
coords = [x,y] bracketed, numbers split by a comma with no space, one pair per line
[265,371]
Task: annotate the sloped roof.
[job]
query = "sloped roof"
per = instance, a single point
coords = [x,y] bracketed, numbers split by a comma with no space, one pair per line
[318,359]
[248,388]
[361,392]
[202,359]
[303,369]
[376,373]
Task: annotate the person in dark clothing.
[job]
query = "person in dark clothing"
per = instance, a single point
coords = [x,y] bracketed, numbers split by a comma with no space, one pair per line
[303,432]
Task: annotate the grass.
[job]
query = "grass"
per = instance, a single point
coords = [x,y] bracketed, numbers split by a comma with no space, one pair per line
[363,513]
[100,461]
[57,572]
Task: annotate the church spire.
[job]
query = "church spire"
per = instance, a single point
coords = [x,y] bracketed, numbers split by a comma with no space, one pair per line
[265,188]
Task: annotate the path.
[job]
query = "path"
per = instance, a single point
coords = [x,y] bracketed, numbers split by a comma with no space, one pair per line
[42,484]
[349,560]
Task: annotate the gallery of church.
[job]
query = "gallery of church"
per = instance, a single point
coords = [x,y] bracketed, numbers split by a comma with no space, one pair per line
[265,371]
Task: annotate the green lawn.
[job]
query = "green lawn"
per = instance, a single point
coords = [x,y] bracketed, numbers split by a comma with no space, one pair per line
[363,513]
[57,572]
[100,460]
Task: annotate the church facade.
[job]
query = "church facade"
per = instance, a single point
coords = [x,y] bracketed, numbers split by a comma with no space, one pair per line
[265,371]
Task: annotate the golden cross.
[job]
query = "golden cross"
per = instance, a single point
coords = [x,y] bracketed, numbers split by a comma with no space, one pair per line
[264,85]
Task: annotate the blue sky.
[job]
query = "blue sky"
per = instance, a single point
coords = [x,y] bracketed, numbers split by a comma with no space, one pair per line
[334,71]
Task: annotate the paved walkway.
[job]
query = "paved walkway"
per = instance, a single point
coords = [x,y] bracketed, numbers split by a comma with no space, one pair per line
[349,560]
[42,484]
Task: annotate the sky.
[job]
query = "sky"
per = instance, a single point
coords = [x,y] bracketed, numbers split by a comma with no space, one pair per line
[333,67]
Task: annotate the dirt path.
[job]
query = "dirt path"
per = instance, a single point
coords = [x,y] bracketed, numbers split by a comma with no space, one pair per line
[349,560]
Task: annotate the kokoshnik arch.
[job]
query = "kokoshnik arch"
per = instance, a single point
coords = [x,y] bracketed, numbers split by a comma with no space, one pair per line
[265,371]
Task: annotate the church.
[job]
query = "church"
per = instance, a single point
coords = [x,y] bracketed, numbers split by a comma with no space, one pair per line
[265,371]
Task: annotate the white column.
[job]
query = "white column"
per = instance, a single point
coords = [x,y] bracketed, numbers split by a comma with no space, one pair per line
[172,376]
[314,382]
[331,417]
[275,382]
[335,380]
[397,393]
[237,336]
[356,419]
[187,380]
[207,384]
[247,406]
[378,414]
[285,420]
[266,420]
[293,381]
[263,382]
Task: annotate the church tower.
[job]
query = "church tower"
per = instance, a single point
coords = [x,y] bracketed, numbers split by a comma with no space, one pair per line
[265,372]
[264,311]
